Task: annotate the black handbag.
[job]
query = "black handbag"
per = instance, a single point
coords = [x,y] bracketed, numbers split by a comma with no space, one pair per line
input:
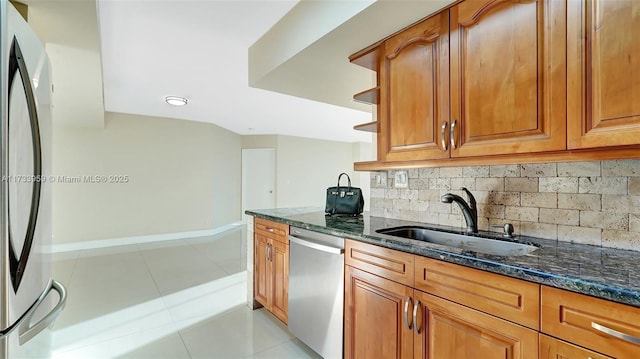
[344,200]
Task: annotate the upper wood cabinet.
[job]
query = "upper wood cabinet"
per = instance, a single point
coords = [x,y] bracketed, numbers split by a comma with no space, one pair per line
[510,81]
[414,92]
[604,73]
[486,77]
[508,77]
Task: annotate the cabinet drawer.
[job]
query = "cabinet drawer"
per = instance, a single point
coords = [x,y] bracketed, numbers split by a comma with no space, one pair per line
[552,348]
[384,262]
[507,298]
[275,230]
[573,316]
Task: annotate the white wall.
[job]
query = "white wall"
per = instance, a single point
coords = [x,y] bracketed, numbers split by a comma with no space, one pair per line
[306,167]
[364,152]
[183,176]
[69,30]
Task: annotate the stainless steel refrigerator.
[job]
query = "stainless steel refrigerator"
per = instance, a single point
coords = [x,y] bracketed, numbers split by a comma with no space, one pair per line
[30,300]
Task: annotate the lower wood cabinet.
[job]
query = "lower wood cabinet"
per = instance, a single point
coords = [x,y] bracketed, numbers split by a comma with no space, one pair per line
[552,348]
[376,316]
[387,319]
[599,325]
[399,305]
[508,298]
[271,267]
[445,329]
[262,268]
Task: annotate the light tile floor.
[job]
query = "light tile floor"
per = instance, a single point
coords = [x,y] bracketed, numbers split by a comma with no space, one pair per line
[174,299]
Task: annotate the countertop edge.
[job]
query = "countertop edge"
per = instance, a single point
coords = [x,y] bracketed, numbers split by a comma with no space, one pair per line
[577,285]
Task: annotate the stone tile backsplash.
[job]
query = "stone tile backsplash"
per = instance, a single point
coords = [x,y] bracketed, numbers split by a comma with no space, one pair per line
[584,202]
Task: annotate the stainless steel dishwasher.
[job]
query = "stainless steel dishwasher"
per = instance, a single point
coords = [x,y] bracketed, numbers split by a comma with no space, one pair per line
[316,290]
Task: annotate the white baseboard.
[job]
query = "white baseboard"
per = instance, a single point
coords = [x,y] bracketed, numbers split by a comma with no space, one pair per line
[125,241]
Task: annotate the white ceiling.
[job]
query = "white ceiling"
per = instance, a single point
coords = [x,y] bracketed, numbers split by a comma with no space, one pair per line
[293,54]
[199,50]
[306,52]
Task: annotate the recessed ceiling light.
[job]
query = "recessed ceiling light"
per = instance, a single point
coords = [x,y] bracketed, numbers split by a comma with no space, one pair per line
[176,100]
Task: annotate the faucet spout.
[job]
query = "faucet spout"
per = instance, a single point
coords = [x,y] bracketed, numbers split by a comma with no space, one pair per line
[469,210]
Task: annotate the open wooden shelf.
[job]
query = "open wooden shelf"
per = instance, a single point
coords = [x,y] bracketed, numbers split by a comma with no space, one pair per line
[367,57]
[370,96]
[367,127]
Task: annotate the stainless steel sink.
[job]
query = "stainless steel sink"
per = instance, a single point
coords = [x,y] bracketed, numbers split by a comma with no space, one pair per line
[467,243]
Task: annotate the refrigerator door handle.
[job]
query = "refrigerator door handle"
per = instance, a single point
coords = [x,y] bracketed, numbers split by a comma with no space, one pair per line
[28,331]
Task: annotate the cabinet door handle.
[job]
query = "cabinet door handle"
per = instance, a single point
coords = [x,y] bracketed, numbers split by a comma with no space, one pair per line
[452,134]
[407,302]
[615,333]
[268,253]
[443,137]
[415,316]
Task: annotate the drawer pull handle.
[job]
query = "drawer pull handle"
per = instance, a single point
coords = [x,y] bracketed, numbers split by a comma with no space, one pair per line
[615,333]
[406,313]
[415,316]
[443,137]
[269,229]
[452,134]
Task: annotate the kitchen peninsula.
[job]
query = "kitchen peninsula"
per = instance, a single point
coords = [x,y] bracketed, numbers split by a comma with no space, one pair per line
[555,270]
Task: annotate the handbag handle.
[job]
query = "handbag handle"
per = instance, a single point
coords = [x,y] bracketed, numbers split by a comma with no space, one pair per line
[348,179]
[335,198]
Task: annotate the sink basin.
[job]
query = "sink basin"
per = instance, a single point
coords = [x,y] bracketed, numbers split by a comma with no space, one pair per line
[468,243]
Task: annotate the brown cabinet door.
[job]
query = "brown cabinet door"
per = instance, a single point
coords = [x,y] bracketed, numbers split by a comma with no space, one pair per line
[414,92]
[375,325]
[444,330]
[280,277]
[604,73]
[271,267]
[262,271]
[552,348]
[508,76]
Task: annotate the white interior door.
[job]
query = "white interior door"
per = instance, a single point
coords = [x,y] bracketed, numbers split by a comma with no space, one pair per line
[258,178]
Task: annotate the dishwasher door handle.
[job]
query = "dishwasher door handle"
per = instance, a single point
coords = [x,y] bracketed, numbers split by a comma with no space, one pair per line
[318,246]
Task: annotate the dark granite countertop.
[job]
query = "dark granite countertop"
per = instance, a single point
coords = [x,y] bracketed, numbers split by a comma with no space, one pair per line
[596,271]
